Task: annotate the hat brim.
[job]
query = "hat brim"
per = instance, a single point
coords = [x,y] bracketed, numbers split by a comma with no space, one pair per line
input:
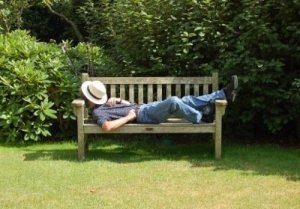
[84,89]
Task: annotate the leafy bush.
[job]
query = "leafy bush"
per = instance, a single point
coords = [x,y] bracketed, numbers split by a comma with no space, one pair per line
[262,47]
[181,40]
[36,87]
[258,40]
[86,57]
[11,14]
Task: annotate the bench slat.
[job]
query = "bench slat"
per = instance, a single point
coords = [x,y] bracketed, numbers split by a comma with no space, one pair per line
[150,93]
[159,92]
[178,90]
[131,92]
[141,94]
[153,80]
[205,89]
[122,91]
[169,120]
[169,90]
[112,90]
[187,89]
[155,128]
[196,90]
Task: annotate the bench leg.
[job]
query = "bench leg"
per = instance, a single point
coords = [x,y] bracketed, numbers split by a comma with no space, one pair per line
[82,146]
[218,144]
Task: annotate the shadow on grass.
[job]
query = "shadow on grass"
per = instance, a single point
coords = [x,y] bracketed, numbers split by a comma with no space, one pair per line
[250,159]
[54,154]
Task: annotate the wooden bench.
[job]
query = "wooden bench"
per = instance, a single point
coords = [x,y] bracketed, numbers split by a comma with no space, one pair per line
[147,89]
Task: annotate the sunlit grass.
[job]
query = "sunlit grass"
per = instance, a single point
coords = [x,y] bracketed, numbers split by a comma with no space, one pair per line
[142,174]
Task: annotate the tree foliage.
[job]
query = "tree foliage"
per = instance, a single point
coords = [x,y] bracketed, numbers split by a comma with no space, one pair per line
[258,40]
[11,13]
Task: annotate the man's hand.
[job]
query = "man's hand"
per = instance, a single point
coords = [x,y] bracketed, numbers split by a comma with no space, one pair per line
[113,101]
[131,115]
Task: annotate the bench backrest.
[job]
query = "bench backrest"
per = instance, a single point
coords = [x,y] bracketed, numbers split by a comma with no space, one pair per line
[147,89]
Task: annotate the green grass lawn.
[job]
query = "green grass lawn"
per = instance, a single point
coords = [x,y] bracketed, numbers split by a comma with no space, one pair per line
[145,174]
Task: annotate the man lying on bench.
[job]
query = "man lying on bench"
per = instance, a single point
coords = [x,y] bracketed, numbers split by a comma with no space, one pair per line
[111,113]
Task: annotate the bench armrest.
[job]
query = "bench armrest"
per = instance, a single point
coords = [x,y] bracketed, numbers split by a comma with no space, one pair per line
[78,102]
[221,106]
[78,106]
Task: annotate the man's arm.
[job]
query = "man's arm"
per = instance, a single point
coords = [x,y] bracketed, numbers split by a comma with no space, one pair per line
[113,101]
[111,125]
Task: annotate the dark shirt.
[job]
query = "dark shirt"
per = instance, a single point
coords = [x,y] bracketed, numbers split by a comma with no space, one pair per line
[105,113]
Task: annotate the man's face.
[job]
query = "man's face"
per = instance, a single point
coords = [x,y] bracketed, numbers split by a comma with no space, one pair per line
[87,102]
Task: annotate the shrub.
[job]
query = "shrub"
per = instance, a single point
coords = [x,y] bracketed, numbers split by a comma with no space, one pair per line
[263,49]
[87,57]
[181,40]
[36,87]
[258,40]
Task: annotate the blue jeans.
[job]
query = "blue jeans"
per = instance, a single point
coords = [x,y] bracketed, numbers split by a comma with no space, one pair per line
[186,107]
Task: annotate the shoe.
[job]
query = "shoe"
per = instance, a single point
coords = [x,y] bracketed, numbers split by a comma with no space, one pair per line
[208,112]
[231,89]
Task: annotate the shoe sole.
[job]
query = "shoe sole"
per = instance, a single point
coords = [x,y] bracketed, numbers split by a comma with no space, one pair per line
[233,96]
[235,82]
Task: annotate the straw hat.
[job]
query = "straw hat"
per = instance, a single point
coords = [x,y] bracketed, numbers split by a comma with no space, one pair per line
[94,91]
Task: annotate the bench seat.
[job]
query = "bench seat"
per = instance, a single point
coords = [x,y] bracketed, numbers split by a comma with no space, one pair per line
[176,128]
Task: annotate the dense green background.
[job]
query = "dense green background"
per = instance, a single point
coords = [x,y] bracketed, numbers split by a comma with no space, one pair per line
[258,40]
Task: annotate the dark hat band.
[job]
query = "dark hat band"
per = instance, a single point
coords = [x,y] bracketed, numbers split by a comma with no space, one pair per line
[88,89]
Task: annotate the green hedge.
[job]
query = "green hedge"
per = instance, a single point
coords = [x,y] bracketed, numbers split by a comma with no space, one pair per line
[258,40]
[36,87]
